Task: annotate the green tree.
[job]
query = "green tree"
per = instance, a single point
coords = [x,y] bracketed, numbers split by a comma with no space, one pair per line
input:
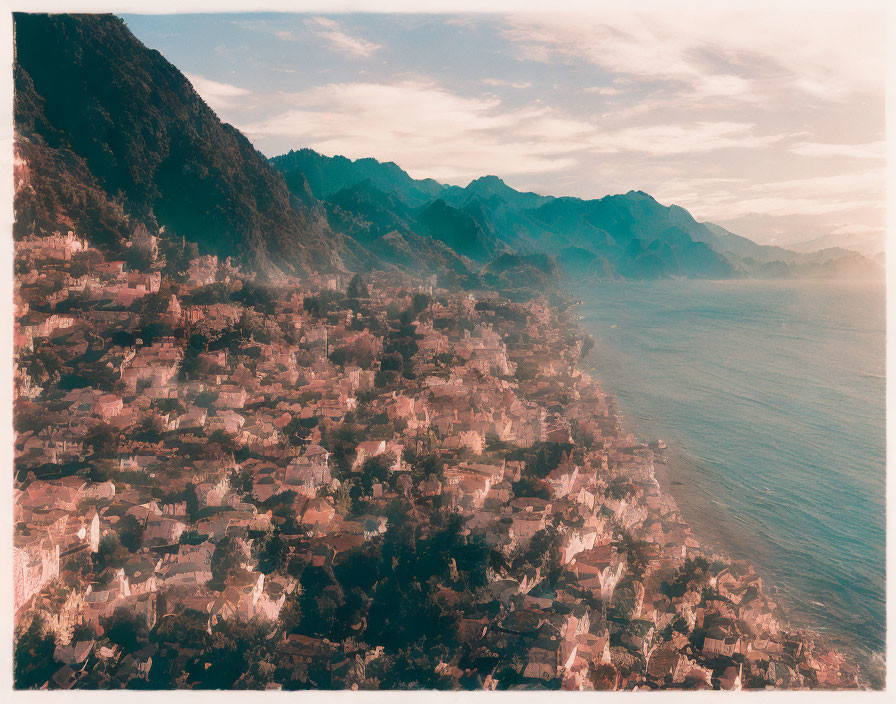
[227,556]
[130,532]
[103,440]
[420,302]
[357,288]
[110,553]
[376,470]
[124,630]
[33,662]
[272,553]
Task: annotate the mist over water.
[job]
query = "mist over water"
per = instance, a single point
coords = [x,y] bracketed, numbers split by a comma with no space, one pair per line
[771,396]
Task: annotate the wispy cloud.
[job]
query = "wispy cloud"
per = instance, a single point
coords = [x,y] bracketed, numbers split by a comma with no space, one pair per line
[502,83]
[218,95]
[746,56]
[811,196]
[432,131]
[331,32]
[869,150]
[425,128]
[855,229]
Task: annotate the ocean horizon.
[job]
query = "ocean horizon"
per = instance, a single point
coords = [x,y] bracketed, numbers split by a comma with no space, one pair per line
[771,397]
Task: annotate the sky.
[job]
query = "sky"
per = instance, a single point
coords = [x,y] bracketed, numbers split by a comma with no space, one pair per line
[769,124]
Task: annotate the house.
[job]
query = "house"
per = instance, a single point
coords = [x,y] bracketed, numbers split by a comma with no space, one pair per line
[55,246]
[35,563]
[186,574]
[108,406]
[365,450]
[164,529]
[720,641]
[231,396]
[525,524]
[600,568]
[318,514]
[541,663]
[73,653]
[560,481]
[309,472]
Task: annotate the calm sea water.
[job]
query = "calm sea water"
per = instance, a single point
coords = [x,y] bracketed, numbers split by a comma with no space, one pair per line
[771,396]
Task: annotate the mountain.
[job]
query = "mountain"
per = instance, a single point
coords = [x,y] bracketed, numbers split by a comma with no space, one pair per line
[628,235]
[490,188]
[111,138]
[329,175]
[867,243]
[97,112]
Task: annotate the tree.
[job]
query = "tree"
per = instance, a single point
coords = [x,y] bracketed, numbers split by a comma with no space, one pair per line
[343,501]
[426,466]
[357,288]
[186,629]
[527,486]
[82,632]
[130,532]
[391,362]
[33,662]
[206,399]
[376,470]
[103,440]
[420,302]
[235,646]
[694,572]
[227,556]
[110,553]
[543,551]
[149,430]
[321,597]
[272,554]
[124,629]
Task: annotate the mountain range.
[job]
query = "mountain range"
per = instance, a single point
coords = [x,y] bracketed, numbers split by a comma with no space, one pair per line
[112,137]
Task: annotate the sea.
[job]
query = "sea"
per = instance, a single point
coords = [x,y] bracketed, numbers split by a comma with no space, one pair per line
[771,398]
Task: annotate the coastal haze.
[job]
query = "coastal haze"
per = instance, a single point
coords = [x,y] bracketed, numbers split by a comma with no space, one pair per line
[307,400]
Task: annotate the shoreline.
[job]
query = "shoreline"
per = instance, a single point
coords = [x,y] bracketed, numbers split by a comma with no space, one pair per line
[871,663]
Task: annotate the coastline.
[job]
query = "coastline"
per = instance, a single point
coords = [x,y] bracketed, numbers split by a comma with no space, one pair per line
[711,529]
[623,593]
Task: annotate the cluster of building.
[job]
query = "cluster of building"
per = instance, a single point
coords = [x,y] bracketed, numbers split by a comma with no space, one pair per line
[159,415]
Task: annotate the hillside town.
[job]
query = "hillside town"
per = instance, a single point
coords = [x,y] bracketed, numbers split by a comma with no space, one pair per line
[347,482]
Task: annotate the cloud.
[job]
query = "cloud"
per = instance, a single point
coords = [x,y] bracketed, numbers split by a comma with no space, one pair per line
[747,56]
[855,229]
[217,95]
[603,90]
[812,196]
[285,35]
[501,83]
[331,31]
[674,139]
[430,131]
[869,150]
[433,132]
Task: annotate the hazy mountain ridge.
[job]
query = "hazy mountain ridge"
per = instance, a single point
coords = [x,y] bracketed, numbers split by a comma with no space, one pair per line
[629,235]
[143,148]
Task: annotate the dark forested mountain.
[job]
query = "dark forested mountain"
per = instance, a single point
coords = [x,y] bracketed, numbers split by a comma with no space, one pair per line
[115,136]
[329,175]
[110,137]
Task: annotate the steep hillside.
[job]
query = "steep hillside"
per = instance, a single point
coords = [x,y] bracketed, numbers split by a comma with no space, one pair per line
[99,112]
